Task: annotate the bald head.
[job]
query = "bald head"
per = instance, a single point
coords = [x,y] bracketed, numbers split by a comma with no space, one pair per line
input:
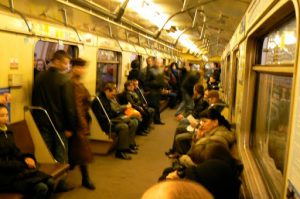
[177,189]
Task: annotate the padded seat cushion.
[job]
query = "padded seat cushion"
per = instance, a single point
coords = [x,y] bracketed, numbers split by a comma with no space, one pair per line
[54,170]
[12,196]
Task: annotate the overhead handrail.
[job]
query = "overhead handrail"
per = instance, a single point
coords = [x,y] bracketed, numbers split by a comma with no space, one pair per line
[29,108]
[106,115]
[180,12]
[13,10]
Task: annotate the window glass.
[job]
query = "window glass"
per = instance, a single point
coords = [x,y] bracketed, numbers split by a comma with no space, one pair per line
[271,126]
[106,55]
[107,68]
[279,45]
[44,51]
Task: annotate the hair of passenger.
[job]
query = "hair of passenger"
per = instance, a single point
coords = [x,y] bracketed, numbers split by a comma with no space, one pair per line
[3,106]
[174,63]
[177,189]
[127,83]
[78,62]
[211,150]
[60,55]
[135,64]
[214,114]
[199,88]
[109,86]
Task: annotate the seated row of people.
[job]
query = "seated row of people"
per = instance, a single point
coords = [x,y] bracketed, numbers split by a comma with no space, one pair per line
[201,147]
[129,115]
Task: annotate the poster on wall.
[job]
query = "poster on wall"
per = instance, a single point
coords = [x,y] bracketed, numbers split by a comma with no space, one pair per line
[5,98]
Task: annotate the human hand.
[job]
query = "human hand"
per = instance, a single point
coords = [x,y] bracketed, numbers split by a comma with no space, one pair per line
[68,134]
[30,163]
[172,176]
[179,117]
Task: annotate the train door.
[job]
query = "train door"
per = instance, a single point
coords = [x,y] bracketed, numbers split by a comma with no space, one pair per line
[273,71]
[108,66]
[44,51]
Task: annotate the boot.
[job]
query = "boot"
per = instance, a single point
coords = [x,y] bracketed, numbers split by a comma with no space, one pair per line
[86,182]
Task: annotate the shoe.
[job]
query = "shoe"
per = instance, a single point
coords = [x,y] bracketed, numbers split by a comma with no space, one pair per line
[130,151]
[134,147]
[88,184]
[142,134]
[171,151]
[173,156]
[63,187]
[159,122]
[122,155]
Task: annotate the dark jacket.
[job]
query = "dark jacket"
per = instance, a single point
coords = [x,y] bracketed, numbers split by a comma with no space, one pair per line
[134,99]
[138,75]
[217,176]
[13,169]
[200,105]
[53,91]
[189,81]
[98,111]
[154,79]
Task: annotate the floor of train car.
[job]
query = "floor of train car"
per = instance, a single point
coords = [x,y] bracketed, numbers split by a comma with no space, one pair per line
[121,179]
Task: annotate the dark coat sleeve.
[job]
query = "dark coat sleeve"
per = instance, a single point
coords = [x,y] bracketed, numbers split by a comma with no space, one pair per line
[69,105]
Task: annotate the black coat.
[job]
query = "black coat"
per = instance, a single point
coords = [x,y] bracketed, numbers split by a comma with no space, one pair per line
[189,81]
[53,91]
[218,177]
[200,105]
[13,169]
[98,111]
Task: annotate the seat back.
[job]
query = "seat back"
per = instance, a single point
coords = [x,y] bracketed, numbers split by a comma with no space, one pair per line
[22,136]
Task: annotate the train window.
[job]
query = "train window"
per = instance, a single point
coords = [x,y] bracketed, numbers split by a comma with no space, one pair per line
[279,46]
[272,105]
[44,51]
[107,68]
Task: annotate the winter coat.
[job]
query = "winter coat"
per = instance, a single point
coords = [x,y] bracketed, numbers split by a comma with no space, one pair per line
[53,91]
[114,116]
[80,151]
[219,134]
[13,169]
[218,177]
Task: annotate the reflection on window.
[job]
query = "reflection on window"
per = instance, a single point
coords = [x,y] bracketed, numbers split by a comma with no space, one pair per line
[107,68]
[279,46]
[271,126]
[105,55]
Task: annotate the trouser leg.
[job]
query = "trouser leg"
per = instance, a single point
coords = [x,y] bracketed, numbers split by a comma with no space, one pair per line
[132,127]
[86,181]
[123,134]
[182,142]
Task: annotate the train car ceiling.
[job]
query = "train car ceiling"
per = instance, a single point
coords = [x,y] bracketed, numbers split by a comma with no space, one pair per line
[196,27]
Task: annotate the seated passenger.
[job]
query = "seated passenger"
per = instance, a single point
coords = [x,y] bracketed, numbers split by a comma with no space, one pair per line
[177,189]
[212,83]
[216,170]
[137,103]
[190,118]
[213,128]
[214,100]
[124,126]
[19,172]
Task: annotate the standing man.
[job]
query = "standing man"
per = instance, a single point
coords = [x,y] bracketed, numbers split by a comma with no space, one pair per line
[155,83]
[54,92]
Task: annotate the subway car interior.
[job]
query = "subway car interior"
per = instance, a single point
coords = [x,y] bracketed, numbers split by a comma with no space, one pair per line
[130,99]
